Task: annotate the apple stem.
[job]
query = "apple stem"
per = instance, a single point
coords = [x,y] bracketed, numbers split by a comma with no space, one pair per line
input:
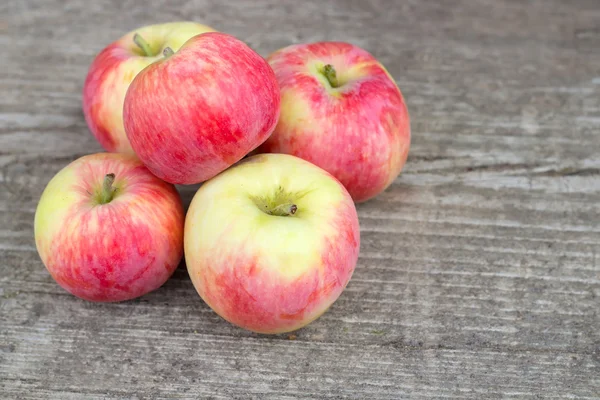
[283,210]
[142,44]
[331,75]
[168,52]
[108,191]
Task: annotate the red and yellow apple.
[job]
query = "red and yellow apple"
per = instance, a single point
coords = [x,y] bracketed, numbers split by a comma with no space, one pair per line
[271,243]
[341,110]
[201,109]
[115,67]
[107,229]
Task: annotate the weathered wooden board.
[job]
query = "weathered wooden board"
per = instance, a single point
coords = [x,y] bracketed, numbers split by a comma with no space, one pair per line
[479,276]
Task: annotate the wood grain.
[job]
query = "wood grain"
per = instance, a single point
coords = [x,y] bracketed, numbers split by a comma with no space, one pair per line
[479,274]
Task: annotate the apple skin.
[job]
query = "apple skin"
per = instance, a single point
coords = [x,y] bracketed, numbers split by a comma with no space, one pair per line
[199,111]
[113,70]
[115,251]
[359,131]
[271,273]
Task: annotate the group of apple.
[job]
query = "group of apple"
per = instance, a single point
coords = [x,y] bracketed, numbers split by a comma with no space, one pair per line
[270,240]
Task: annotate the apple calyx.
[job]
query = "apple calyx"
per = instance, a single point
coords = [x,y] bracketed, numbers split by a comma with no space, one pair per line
[168,52]
[108,191]
[331,75]
[143,45]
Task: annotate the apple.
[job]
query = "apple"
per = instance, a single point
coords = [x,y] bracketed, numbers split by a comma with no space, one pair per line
[341,110]
[115,67]
[271,243]
[107,229]
[201,109]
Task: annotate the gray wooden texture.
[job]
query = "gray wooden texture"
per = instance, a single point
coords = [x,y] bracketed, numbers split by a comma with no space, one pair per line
[479,273]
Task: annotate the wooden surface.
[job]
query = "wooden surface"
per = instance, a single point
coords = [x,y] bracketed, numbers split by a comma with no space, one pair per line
[479,274]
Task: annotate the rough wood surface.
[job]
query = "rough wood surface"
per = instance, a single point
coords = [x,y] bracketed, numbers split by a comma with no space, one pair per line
[479,276]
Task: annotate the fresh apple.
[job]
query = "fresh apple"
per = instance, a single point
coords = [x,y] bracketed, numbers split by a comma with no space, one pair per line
[341,110]
[115,67]
[107,229]
[201,109]
[271,243]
